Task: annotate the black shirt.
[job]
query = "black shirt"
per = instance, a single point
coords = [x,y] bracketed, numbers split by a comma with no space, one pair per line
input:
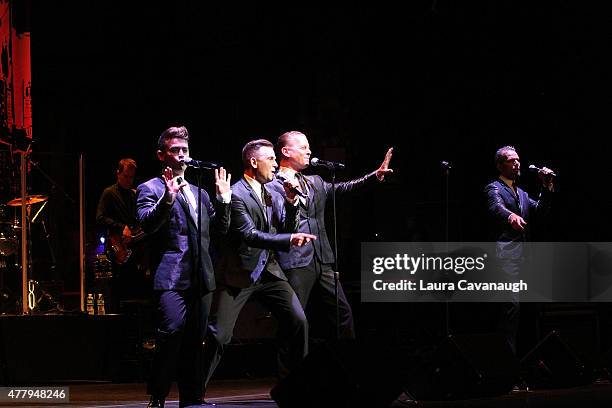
[116,209]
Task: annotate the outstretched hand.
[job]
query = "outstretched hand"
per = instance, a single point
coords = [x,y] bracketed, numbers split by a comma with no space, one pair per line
[222,181]
[384,169]
[517,222]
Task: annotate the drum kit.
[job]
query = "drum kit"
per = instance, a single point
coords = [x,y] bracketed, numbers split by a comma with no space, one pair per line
[10,245]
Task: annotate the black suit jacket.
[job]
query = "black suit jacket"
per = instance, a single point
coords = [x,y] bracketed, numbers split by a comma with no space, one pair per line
[312,220]
[173,240]
[253,236]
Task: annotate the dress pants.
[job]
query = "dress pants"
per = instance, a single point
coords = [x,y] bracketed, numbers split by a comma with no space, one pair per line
[509,312]
[316,280]
[182,322]
[278,296]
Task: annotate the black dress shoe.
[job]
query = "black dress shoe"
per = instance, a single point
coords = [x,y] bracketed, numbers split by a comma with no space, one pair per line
[520,387]
[156,403]
[201,403]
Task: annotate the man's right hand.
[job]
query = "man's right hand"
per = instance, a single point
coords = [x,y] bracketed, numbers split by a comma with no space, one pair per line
[173,184]
[290,188]
[517,222]
[300,239]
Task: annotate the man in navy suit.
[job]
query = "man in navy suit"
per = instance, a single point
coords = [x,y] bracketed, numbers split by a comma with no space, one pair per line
[183,273]
[310,268]
[511,211]
[263,222]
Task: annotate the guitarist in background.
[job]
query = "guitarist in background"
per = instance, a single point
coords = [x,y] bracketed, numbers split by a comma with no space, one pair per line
[117,214]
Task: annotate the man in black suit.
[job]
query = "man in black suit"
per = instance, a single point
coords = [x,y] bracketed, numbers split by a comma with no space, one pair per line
[511,210]
[310,268]
[263,222]
[183,272]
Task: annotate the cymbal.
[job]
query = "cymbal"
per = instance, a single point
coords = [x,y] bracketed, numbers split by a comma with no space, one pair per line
[31,199]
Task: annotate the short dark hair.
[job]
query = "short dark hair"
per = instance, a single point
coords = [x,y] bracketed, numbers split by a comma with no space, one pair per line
[500,154]
[251,147]
[175,132]
[126,163]
[284,138]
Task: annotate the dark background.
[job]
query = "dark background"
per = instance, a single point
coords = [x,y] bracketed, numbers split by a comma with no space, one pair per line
[438,80]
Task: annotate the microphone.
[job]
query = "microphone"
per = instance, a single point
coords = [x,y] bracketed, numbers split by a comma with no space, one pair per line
[537,169]
[200,164]
[327,164]
[292,189]
[445,167]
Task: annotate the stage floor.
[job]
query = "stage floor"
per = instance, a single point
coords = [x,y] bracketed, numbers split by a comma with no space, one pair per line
[255,393]
[225,393]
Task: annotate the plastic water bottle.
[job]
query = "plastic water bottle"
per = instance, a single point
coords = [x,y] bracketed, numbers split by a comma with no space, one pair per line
[90,304]
[101,309]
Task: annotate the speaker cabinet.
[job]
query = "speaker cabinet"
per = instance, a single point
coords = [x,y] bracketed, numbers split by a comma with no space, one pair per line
[552,364]
[466,366]
[345,374]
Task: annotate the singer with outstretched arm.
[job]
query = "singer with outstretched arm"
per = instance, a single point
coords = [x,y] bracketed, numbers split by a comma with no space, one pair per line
[511,211]
[183,273]
[310,268]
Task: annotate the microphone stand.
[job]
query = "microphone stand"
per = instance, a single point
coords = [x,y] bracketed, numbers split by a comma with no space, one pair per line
[54,185]
[336,273]
[201,166]
[199,270]
[47,236]
[446,172]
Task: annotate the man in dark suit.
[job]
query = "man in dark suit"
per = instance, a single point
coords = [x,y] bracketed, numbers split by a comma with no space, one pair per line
[262,223]
[310,268]
[183,273]
[511,210]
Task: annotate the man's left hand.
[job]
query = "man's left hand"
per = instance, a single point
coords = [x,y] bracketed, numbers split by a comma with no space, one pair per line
[384,169]
[222,181]
[546,175]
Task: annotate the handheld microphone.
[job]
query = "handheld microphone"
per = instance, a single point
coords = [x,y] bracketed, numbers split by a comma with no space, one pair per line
[180,180]
[537,169]
[200,164]
[327,164]
[292,189]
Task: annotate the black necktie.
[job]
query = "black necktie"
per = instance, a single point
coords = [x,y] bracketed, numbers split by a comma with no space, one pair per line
[300,179]
[263,203]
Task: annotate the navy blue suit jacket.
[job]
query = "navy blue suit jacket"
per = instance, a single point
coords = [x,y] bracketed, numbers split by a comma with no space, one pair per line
[252,235]
[173,240]
[501,202]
